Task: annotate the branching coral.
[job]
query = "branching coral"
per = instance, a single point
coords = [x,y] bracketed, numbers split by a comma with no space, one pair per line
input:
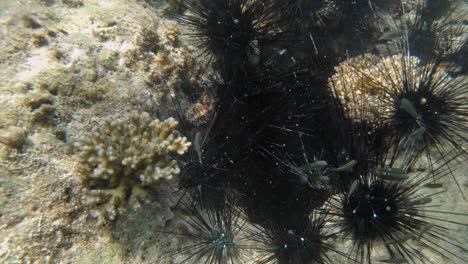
[123,160]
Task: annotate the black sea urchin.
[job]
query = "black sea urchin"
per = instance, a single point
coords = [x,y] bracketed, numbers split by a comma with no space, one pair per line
[426,111]
[301,243]
[214,237]
[435,28]
[419,103]
[229,30]
[208,173]
[300,13]
[422,102]
[396,216]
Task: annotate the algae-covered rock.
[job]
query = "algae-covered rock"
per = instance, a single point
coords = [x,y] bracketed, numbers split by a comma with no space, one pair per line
[13,137]
[67,66]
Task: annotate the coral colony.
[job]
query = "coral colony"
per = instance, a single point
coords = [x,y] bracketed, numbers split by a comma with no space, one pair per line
[330,139]
[124,159]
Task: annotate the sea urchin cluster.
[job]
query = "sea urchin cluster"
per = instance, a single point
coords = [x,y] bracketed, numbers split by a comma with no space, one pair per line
[325,147]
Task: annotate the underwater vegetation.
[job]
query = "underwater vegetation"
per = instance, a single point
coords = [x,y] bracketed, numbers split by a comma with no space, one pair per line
[348,142]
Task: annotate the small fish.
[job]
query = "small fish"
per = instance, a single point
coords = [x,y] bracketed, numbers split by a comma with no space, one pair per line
[353,188]
[394,260]
[404,236]
[382,47]
[421,201]
[391,35]
[347,167]
[423,230]
[401,237]
[281,52]
[376,114]
[323,178]
[393,174]
[418,133]
[433,185]
[409,107]
[197,146]
[451,67]
[315,180]
[62,31]
[314,165]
